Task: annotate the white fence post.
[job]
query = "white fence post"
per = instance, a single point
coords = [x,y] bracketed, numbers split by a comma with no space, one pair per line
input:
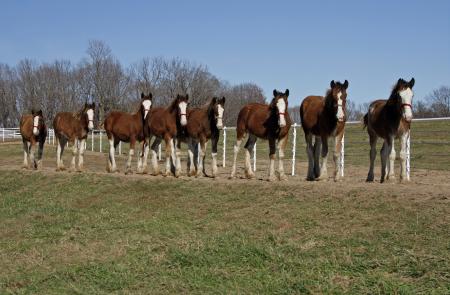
[254,157]
[3,134]
[294,145]
[100,137]
[224,145]
[408,155]
[342,155]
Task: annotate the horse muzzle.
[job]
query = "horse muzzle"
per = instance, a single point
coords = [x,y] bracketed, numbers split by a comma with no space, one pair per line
[35,131]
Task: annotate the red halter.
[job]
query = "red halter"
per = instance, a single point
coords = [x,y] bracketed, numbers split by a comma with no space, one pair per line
[406,105]
[281,113]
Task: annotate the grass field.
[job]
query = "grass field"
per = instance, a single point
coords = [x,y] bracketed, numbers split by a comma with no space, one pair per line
[96,233]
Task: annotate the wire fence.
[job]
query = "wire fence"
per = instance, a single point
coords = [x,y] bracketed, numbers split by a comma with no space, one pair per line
[429,139]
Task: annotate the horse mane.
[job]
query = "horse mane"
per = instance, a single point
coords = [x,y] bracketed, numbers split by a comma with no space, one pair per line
[172,105]
[394,98]
[328,99]
[79,114]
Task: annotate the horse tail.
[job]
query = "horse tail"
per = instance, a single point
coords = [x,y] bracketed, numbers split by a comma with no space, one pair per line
[366,120]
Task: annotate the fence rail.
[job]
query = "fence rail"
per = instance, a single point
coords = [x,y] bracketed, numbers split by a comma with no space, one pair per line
[98,142]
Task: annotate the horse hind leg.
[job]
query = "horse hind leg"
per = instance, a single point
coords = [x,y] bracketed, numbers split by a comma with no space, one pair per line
[249,148]
[323,168]
[60,145]
[237,145]
[310,153]
[177,160]
[142,160]
[372,156]
[130,156]
[272,154]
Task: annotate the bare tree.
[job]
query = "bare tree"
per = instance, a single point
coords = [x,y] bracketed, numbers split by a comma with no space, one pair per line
[439,101]
[9,113]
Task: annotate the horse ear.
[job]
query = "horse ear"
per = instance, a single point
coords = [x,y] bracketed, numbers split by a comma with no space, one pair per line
[33,112]
[214,100]
[187,97]
[39,113]
[345,84]
[332,84]
[411,83]
[142,95]
[223,100]
[275,93]
[287,92]
[150,95]
[93,105]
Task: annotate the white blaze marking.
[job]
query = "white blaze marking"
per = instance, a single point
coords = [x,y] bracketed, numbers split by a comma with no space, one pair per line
[35,124]
[220,116]
[407,96]
[281,105]
[146,104]
[183,120]
[90,114]
[340,112]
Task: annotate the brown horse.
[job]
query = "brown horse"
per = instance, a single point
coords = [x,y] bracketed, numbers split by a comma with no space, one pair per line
[73,127]
[204,123]
[33,130]
[390,119]
[165,123]
[121,126]
[323,117]
[265,121]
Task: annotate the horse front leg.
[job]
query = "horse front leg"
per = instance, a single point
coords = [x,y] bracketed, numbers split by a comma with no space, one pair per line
[323,175]
[112,167]
[154,148]
[310,153]
[404,142]
[317,148]
[390,166]
[214,141]
[170,154]
[177,162]
[337,156]
[81,149]
[191,152]
[60,146]
[385,151]
[74,155]
[40,152]
[272,151]
[281,145]
[249,149]
[25,154]
[31,152]
[201,157]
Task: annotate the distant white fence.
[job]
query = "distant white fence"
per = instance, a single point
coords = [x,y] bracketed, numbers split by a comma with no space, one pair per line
[98,136]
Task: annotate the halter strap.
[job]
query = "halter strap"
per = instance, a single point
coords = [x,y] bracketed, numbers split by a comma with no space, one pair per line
[279,113]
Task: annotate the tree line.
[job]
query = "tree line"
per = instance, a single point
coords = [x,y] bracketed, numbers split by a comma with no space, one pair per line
[99,77]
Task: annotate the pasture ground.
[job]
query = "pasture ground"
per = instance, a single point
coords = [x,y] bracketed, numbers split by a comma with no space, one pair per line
[93,232]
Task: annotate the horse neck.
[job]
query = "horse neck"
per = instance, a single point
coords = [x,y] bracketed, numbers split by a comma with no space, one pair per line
[83,120]
[329,113]
[139,116]
[210,117]
[393,108]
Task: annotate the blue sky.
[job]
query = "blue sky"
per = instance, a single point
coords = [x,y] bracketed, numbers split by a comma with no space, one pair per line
[300,45]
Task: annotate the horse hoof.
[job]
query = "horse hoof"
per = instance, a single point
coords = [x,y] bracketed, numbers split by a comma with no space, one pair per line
[128,172]
[283,177]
